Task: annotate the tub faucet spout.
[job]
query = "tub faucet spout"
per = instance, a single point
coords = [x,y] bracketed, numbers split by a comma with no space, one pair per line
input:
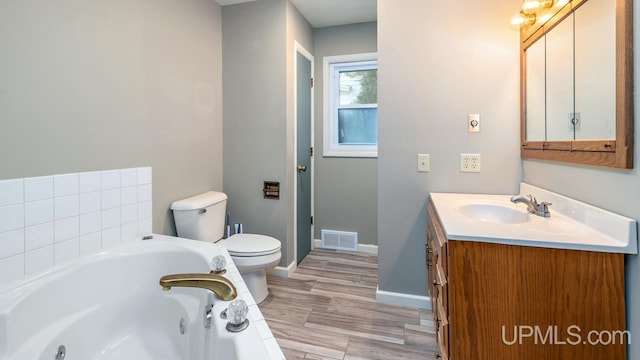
[219,285]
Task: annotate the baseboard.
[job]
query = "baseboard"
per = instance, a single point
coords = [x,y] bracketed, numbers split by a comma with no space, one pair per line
[283,272]
[400,299]
[364,248]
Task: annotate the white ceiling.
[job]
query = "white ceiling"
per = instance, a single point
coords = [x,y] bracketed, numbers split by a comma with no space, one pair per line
[322,13]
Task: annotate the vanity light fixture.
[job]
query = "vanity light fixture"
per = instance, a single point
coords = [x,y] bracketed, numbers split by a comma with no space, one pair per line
[521,20]
[534,9]
[535,6]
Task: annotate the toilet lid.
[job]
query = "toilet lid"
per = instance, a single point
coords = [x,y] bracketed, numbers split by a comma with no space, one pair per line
[251,245]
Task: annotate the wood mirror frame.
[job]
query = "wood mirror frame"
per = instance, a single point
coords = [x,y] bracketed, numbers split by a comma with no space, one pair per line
[616,152]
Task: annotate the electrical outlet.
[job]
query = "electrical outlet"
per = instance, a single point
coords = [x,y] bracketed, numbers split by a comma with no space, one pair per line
[423,163]
[469,162]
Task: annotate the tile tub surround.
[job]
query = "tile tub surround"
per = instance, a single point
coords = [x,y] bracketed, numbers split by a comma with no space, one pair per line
[48,220]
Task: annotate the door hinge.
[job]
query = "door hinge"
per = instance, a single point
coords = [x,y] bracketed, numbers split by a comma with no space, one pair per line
[311,152]
[311,82]
[312,220]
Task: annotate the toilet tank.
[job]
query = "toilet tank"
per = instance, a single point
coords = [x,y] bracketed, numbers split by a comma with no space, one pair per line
[201,217]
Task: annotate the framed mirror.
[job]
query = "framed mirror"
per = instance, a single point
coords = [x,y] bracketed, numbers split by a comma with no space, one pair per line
[577,84]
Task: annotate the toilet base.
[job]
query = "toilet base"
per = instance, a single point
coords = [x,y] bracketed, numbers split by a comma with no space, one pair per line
[256,281]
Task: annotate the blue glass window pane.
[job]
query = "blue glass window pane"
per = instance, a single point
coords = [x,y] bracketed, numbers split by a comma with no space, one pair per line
[358,126]
[359,87]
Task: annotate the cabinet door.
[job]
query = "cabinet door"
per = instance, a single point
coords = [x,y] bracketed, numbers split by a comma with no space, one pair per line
[595,69]
[431,266]
[559,81]
[535,100]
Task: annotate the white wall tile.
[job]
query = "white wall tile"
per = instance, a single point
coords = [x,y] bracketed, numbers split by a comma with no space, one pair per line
[51,219]
[38,260]
[11,192]
[11,217]
[144,227]
[90,223]
[144,210]
[38,236]
[90,202]
[110,179]
[129,232]
[128,177]
[66,206]
[129,195]
[66,250]
[11,243]
[38,212]
[11,268]
[65,184]
[110,198]
[128,213]
[144,175]
[110,237]
[38,188]
[65,229]
[90,243]
[110,218]
[89,181]
[144,193]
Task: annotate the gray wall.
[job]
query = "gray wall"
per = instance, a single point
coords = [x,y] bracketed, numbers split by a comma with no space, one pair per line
[432,73]
[258,113]
[614,190]
[346,189]
[94,85]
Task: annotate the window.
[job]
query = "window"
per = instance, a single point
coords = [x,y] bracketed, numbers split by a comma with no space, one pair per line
[351,105]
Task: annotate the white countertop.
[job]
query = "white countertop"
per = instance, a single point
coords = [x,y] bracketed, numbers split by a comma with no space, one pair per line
[572,225]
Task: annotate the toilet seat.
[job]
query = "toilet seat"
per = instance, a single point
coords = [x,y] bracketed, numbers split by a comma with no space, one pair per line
[251,245]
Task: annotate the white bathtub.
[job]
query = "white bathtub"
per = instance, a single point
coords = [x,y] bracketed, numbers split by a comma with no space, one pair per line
[110,306]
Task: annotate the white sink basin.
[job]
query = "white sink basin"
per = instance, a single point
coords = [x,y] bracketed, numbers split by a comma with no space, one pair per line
[573,225]
[494,213]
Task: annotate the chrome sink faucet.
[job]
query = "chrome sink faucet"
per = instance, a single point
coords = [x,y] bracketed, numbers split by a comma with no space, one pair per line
[540,209]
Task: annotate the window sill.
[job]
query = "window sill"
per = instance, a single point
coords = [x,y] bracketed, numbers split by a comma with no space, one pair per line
[351,153]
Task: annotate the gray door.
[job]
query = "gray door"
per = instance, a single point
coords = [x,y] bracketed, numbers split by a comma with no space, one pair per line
[303,206]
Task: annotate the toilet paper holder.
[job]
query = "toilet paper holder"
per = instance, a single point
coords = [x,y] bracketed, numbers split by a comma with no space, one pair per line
[271,190]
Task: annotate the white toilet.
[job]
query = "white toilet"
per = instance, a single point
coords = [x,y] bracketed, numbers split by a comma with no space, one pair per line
[202,217]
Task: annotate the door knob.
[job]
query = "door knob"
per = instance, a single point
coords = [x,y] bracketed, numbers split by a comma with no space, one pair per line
[302,168]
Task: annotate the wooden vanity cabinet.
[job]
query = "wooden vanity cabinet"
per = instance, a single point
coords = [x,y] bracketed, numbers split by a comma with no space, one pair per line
[487,298]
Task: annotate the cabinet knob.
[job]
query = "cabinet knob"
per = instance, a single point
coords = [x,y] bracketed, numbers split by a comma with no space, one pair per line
[436,283]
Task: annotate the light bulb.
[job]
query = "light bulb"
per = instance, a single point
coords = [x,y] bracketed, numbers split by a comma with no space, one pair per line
[544,18]
[531,6]
[521,20]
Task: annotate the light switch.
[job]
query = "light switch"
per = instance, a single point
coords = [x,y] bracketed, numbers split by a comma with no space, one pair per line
[423,163]
[473,122]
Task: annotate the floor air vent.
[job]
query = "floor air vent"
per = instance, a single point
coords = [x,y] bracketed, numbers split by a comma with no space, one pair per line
[339,240]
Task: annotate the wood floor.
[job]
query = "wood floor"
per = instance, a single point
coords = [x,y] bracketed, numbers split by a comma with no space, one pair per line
[327,310]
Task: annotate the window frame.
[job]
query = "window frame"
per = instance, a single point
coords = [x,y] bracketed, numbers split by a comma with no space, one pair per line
[332,65]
